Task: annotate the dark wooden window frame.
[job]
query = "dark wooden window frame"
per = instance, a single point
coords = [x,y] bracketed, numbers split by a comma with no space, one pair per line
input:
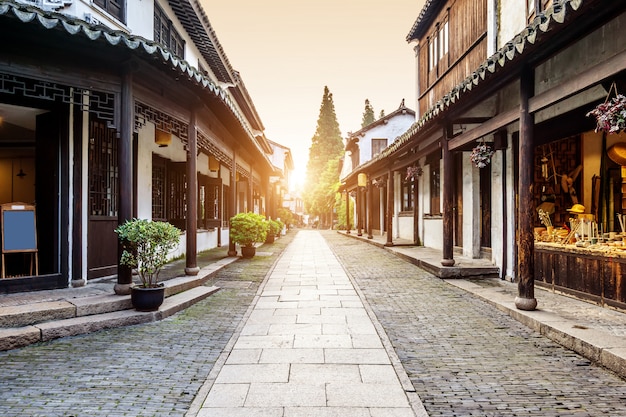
[378,144]
[166,34]
[115,8]
[407,194]
[435,187]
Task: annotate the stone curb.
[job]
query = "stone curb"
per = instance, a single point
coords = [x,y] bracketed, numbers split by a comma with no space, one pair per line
[36,322]
[594,345]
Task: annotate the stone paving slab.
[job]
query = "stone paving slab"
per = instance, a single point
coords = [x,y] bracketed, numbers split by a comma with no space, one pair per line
[467,350]
[308,347]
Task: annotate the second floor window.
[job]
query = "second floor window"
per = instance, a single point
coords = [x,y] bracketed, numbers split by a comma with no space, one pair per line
[377,146]
[407,193]
[113,7]
[166,34]
[438,47]
[534,7]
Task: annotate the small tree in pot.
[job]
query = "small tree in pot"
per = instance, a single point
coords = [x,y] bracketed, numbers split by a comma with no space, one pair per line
[146,245]
[246,229]
[273,231]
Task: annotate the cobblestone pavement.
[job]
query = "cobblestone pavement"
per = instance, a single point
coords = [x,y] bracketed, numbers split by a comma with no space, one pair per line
[464,357]
[153,369]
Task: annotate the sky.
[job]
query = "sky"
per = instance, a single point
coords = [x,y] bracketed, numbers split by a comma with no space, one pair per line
[286,51]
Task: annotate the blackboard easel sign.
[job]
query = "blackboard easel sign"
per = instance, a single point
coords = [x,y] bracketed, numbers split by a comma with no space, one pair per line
[19,232]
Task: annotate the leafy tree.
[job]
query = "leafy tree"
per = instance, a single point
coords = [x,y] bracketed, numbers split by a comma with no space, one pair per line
[382,114]
[326,149]
[368,114]
[322,198]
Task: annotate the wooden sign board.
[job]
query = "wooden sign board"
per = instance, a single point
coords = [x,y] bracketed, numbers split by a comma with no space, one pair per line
[19,232]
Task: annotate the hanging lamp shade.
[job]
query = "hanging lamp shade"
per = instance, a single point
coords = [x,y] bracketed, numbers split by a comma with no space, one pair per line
[362,180]
[214,164]
[162,138]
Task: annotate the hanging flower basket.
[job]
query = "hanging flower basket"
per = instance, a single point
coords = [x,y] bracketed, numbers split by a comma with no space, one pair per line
[481,155]
[413,172]
[610,115]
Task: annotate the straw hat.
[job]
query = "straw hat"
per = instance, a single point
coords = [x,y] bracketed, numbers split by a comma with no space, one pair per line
[577,209]
[617,153]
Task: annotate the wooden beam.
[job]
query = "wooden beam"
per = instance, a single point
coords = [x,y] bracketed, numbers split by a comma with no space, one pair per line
[554,95]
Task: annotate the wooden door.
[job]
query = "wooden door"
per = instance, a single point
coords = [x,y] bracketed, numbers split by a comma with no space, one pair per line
[103,201]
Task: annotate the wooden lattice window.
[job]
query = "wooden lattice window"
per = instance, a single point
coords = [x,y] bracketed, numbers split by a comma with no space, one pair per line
[176,203]
[113,7]
[159,176]
[103,169]
[166,34]
[377,146]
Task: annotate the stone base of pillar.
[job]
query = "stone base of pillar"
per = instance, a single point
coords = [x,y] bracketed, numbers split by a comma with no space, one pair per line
[526,304]
[78,283]
[122,289]
[447,262]
[192,270]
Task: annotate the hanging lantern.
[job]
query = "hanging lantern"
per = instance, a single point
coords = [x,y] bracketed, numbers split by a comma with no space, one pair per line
[362,180]
[214,164]
[162,138]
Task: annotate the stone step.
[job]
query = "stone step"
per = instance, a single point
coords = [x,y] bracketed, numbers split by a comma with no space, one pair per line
[15,337]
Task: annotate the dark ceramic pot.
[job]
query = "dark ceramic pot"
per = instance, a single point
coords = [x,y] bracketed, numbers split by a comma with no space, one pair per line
[147,299]
[248,251]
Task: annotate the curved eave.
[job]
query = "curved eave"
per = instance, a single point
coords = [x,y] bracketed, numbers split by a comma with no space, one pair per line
[204,37]
[431,7]
[499,61]
[136,45]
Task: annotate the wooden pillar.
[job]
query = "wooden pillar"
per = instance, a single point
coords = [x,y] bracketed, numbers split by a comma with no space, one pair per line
[250,192]
[125,169]
[220,199]
[416,236]
[526,280]
[347,211]
[389,218]
[368,208]
[191,255]
[359,216]
[448,213]
[232,250]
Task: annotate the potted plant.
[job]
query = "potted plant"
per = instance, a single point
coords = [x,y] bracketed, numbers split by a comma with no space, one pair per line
[246,229]
[611,115]
[146,245]
[481,155]
[274,228]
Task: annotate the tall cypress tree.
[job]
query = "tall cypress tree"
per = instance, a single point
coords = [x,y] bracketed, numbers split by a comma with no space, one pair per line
[326,146]
[368,114]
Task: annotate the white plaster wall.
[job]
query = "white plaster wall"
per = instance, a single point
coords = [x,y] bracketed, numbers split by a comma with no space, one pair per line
[395,127]
[175,152]
[497,207]
[405,227]
[510,215]
[471,207]
[511,20]
[492,26]
[433,233]
[397,203]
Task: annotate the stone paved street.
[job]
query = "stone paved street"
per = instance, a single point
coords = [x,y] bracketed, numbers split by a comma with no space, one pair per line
[464,357]
[146,370]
